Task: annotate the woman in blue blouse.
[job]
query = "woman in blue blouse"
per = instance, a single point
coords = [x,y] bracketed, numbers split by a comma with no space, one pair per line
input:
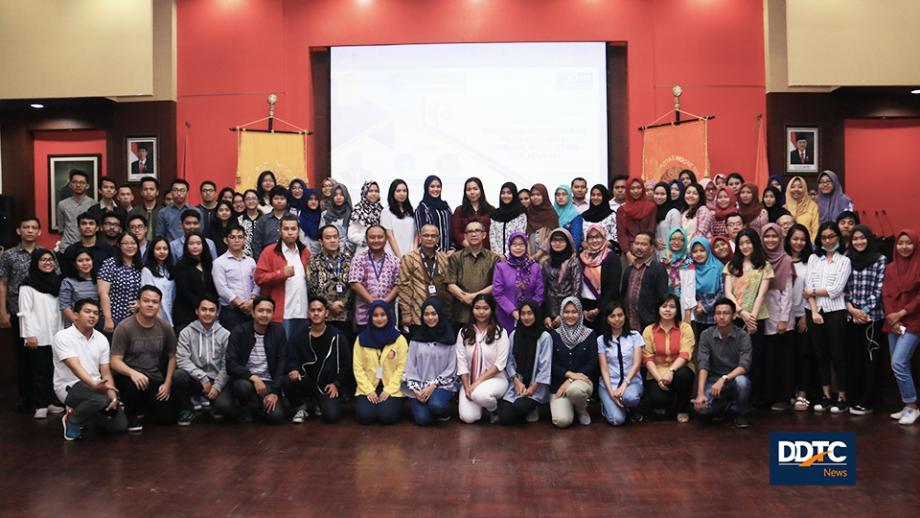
[569,218]
[529,368]
[619,354]
[430,378]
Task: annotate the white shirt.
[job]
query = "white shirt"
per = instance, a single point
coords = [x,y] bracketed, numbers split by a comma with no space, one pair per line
[71,343]
[403,230]
[38,315]
[295,288]
[581,206]
[831,275]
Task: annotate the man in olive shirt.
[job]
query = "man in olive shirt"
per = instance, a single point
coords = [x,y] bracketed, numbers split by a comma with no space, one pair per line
[469,272]
[149,206]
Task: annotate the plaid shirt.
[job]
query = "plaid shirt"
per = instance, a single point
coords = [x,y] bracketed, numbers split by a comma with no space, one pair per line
[14,266]
[864,289]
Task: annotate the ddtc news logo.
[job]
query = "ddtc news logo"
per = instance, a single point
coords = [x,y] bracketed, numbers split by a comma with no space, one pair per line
[813,459]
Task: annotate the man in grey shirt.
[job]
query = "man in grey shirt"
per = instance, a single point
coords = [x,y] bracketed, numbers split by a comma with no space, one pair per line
[71,207]
[724,359]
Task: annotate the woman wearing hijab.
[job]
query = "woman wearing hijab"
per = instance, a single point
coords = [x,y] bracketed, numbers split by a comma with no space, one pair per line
[667,215]
[515,279]
[636,215]
[778,182]
[619,354]
[773,201]
[722,249]
[310,217]
[474,207]
[726,205]
[600,213]
[708,277]
[338,214]
[697,218]
[720,180]
[569,217]
[801,206]
[482,355]
[509,218]
[379,362]
[681,273]
[901,298]
[561,275]
[831,199]
[710,188]
[399,220]
[863,296]
[541,220]
[39,320]
[430,378]
[601,272]
[432,210]
[753,215]
[676,191]
[364,215]
[264,186]
[529,368]
[778,365]
[325,192]
[574,366]
[297,197]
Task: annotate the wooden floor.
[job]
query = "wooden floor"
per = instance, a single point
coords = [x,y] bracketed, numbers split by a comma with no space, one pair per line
[654,468]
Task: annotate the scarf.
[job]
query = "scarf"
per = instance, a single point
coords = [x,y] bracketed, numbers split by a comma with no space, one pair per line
[783,269]
[521,263]
[704,183]
[524,347]
[679,203]
[778,178]
[902,276]
[556,259]
[335,213]
[598,213]
[366,212]
[298,203]
[432,202]
[776,210]
[543,215]
[379,337]
[750,211]
[709,272]
[442,333]
[800,207]
[508,211]
[675,260]
[593,260]
[566,212]
[639,208]
[722,214]
[663,209]
[47,283]
[574,334]
[725,240]
[830,205]
[309,218]
[862,260]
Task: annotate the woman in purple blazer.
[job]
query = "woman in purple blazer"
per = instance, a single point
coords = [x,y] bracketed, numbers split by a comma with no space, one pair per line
[515,280]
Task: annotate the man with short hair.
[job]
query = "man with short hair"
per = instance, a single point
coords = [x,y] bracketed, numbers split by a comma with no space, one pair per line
[201,376]
[191,222]
[469,273]
[373,274]
[14,267]
[142,165]
[327,277]
[422,274]
[645,282]
[846,220]
[138,345]
[88,240]
[256,362]
[580,195]
[733,226]
[169,219]
[208,205]
[150,208]
[618,191]
[111,228]
[125,199]
[723,359]
[71,207]
[108,188]
[82,378]
[267,228]
[137,226]
[281,273]
[317,368]
[233,280]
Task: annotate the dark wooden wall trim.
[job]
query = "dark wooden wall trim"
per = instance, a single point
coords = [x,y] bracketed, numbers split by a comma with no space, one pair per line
[320,67]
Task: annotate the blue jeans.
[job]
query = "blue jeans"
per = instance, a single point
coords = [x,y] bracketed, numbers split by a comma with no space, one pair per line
[436,407]
[733,397]
[383,413]
[295,327]
[902,349]
[613,413]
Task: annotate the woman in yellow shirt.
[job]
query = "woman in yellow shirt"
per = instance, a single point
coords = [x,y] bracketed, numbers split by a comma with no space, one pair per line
[801,206]
[668,349]
[379,363]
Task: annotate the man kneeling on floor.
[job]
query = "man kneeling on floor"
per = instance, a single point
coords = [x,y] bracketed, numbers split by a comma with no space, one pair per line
[201,376]
[82,378]
[723,359]
[256,364]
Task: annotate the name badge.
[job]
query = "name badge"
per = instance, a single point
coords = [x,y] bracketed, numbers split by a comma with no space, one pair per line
[379,373]
[432,290]
[339,287]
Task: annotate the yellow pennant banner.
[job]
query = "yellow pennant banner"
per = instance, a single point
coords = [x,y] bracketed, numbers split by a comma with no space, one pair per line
[666,150]
[282,153]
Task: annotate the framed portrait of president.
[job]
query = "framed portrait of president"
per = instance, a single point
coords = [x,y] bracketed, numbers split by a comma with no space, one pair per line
[801,149]
[143,158]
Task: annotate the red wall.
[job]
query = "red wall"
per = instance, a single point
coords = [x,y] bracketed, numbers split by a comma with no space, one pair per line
[231,54]
[60,143]
[882,146]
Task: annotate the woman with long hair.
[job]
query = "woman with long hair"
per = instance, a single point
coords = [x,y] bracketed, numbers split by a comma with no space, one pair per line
[668,348]
[569,217]
[778,368]
[574,366]
[901,299]
[223,220]
[529,367]
[432,210]
[474,207]
[482,355]
[365,215]
[709,187]
[264,186]
[249,217]
[509,218]
[192,276]
[687,177]
[697,218]
[119,280]
[667,215]
[636,215]
[379,360]
[541,220]
[398,220]
[561,275]
[801,206]
[430,377]
[514,280]
[601,270]
[79,284]
[239,204]
[798,245]
[619,354]
[158,271]
[524,196]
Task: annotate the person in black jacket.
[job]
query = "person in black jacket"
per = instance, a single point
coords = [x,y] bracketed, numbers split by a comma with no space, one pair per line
[315,367]
[574,368]
[193,279]
[645,282]
[257,363]
[601,273]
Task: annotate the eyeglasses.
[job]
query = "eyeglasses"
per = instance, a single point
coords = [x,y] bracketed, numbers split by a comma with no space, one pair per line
[431,236]
[137,227]
[179,189]
[828,237]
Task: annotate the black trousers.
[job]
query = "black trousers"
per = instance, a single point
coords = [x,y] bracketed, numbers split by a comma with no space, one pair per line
[299,392]
[184,386]
[779,368]
[23,365]
[758,364]
[231,317]
[40,360]
[864,354]
[676,399]
[805,375]
[248,400]
[144,402]
[828,342]
[517,412]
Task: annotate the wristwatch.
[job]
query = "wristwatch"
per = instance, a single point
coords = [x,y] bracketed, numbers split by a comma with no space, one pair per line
[725,377]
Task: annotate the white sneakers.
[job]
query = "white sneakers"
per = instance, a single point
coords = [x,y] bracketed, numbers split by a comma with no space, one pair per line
[584,419]
[906,415]
[54,409]
[300,416]
[40,413]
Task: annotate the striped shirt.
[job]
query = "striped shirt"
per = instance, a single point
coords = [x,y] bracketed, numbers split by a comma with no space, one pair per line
[830,275]
[864,289]
[258,362]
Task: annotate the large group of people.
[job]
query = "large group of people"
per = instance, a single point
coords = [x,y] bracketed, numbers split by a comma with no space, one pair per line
[658,299]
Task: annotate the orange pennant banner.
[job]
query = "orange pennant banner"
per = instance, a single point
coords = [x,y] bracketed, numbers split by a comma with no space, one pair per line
[666,150]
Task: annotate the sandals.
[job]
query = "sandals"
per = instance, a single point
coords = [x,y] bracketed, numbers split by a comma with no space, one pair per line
[801,404]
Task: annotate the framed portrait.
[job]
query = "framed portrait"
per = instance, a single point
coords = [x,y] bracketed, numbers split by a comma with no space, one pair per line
[802,149]
[143,158]
[59,169]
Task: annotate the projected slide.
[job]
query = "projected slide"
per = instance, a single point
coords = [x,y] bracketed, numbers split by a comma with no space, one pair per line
[521,112]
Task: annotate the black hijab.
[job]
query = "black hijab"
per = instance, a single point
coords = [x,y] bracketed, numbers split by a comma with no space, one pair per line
[776,210]
[597,213]
[442,333]
[862,260]
[524,347]
[48,283]
[557,258]
[508,211]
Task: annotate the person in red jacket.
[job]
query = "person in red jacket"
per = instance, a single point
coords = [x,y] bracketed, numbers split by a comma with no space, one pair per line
[901,300]
[281,273]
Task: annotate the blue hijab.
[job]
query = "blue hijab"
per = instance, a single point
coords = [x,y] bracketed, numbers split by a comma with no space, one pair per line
[309,218]
[379,337]
[434,203]
[443,332]
[566,212]
[708,273]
